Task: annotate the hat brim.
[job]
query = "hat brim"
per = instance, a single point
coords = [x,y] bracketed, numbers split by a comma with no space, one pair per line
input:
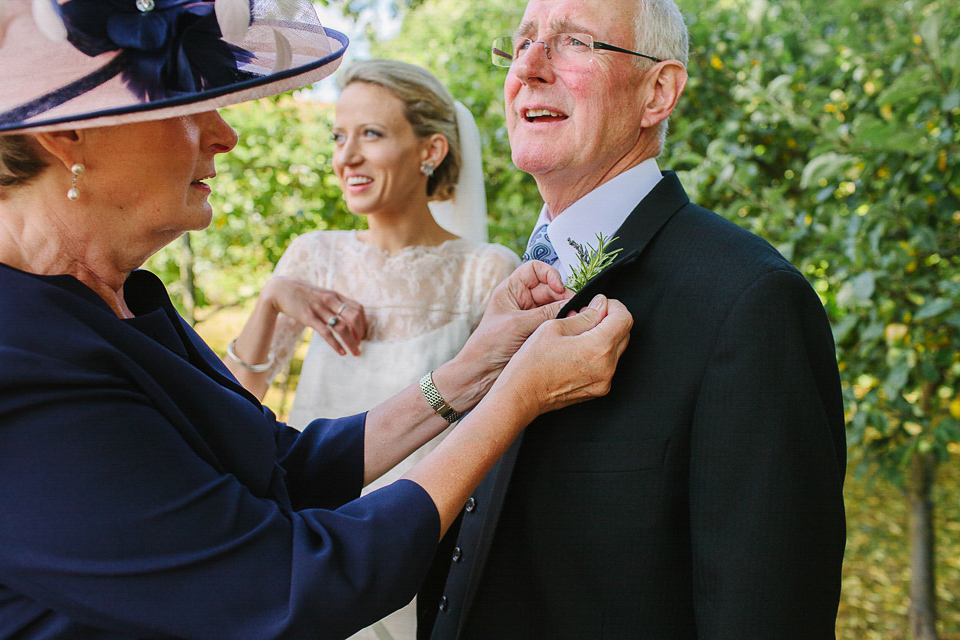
[86,99]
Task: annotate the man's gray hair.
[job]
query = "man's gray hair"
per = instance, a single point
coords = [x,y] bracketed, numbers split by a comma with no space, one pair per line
[661,32]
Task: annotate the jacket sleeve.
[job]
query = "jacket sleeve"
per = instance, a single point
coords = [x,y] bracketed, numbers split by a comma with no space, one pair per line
[767,470]
[112,521]
[323,464]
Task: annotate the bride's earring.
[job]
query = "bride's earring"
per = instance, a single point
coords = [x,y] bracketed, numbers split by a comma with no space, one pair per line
[73,193]
[426,168]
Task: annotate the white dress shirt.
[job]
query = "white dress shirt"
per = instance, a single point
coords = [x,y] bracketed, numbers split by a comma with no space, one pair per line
[601,211]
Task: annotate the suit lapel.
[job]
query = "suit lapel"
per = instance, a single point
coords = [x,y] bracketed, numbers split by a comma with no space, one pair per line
[633,236]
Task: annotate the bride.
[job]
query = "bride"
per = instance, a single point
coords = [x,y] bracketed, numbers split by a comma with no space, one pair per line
[400,298]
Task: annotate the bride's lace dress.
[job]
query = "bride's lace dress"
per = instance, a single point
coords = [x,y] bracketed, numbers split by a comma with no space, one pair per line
[421,305]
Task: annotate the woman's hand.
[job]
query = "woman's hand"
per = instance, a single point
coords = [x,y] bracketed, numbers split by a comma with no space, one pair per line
[566,360]
[532,294]
[335,318]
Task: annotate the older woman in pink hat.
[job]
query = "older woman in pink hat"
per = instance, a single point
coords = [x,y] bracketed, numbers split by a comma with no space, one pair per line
[144,492]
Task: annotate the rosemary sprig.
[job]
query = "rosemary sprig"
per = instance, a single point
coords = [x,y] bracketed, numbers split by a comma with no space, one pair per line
[592,261]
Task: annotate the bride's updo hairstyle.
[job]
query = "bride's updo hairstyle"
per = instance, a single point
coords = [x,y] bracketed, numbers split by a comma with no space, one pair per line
[428,106]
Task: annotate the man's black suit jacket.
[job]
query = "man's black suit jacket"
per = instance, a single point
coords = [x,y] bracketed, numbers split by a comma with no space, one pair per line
[701,498]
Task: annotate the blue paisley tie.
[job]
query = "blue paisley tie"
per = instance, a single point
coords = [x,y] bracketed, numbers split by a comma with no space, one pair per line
[539,247]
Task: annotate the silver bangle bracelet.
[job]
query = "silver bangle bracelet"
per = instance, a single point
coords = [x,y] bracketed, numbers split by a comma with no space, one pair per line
[436,401]
[253,368]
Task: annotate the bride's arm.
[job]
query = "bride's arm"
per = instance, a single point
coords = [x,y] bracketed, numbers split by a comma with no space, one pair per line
[305,304]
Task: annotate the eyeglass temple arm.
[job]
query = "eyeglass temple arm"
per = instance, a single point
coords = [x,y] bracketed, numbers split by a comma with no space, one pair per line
[503,54]
[610,47]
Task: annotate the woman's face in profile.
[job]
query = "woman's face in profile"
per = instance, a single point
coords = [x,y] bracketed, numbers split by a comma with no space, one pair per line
[376,154]
[147,181]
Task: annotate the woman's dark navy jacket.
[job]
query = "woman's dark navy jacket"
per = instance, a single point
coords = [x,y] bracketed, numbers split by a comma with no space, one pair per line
[145,494]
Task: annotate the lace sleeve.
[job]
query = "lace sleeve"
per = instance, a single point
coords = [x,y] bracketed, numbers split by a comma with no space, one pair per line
[298,261]
[494,264]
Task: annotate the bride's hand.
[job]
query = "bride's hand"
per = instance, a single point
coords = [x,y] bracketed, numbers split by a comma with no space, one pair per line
[335,318]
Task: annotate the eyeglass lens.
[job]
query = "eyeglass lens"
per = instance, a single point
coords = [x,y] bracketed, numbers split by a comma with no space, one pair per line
[560,47]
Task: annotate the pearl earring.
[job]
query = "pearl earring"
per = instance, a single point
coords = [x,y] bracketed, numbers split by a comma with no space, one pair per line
[427,168]
[73,193]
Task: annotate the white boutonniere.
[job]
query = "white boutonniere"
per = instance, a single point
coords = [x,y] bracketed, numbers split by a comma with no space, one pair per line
[592,261]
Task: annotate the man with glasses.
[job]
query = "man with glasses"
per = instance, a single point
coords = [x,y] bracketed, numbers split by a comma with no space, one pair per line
[702,497]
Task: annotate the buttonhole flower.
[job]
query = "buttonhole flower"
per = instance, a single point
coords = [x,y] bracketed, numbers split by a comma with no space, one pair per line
[592,261]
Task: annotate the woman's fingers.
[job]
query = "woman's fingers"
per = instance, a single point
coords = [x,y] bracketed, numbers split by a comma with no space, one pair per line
[537,283]
[354,318]
[347,326]
[339,320]
[573,359]
[539,273]
[531,285]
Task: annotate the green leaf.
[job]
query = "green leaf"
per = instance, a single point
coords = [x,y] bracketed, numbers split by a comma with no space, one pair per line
[948,430]
[864,285]
[951,101]
[929,371]
[843,328]
[859,290]
[934,308]
[872,332]
[827,166]
[889,136]
[779,87]
[953,319]
[897,379]
[908,86]
[952,59]
[930,32]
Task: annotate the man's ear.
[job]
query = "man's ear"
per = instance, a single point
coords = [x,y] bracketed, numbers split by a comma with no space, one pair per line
[666,81]
[435,149]
[66,146]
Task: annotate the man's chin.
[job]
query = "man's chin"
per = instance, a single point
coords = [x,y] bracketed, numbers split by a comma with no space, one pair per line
[536,164]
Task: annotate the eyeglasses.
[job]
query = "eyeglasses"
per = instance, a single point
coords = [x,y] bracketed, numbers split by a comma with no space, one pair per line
[562,49]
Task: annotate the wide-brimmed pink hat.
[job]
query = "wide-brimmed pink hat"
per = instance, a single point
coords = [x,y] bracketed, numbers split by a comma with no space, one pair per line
[86,63]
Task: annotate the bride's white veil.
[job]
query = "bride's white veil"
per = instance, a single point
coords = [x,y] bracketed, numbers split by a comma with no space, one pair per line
[466,213]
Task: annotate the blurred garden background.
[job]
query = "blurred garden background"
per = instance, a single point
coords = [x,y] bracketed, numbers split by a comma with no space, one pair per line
[830,129]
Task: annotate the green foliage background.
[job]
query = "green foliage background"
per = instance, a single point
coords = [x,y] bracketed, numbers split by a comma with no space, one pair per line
[828,128]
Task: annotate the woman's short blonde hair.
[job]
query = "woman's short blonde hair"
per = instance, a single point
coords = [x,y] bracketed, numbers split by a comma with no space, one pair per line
[19,161]
[428,106]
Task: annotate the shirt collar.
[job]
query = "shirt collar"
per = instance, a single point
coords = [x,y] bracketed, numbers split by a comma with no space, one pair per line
[601,211]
